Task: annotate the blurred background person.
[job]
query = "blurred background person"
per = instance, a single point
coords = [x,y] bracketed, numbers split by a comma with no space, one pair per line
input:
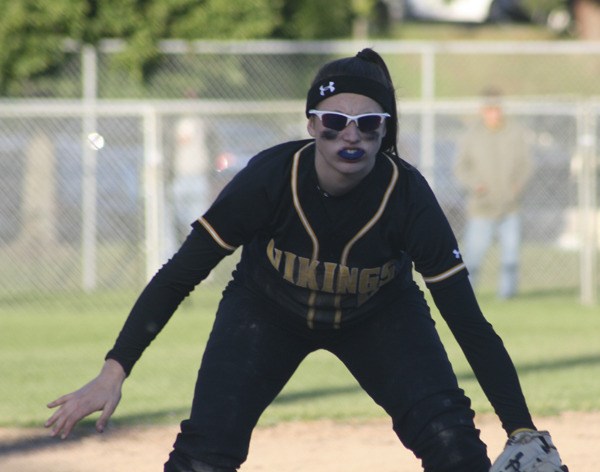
[190,190]
[494,165]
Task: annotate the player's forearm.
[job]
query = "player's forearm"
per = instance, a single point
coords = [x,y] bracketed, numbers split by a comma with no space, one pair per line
[485,352]
[498,378]
[149,315]
[161,297]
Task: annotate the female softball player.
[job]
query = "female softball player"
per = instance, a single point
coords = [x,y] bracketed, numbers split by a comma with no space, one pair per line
[330,228]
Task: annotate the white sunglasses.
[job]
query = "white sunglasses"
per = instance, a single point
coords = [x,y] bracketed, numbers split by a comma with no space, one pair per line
[337,121]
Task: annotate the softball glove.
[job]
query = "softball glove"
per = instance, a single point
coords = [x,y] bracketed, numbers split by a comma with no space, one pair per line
[529,451]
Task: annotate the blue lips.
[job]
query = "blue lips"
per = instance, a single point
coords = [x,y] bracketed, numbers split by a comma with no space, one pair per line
[351,154]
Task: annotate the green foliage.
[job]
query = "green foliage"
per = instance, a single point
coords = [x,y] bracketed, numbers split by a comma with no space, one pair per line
[32,33]
[310,19]
[234,19]
[363,8]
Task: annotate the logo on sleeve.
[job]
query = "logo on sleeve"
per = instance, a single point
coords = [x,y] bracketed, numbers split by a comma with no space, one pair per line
[456,253]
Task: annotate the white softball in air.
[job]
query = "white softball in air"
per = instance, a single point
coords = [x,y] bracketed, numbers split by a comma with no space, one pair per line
[95,141]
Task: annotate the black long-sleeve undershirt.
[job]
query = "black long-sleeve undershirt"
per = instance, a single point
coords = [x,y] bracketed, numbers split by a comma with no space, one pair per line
[484,351]
[176,279]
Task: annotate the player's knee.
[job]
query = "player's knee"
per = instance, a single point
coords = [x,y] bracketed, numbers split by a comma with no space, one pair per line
[454,450]
[440,431]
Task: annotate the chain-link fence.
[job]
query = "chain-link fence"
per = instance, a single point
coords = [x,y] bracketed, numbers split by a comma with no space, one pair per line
[77,218]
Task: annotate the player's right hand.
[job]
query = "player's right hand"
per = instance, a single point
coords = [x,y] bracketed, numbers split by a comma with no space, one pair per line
[101,394]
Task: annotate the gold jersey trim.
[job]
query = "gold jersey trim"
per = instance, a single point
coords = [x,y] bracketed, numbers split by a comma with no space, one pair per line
[365,229]
[377,214]
[445,275]
[299,210]
[215,235]
[315,242]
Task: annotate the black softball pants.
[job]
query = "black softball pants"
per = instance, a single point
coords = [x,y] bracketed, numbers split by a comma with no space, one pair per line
[396,356]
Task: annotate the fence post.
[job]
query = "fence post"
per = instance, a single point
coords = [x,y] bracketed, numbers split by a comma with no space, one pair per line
[89,181]
[154,198]
[588,206]
[428,58]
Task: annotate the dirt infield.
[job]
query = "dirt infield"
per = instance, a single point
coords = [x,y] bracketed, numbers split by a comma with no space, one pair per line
[321,446]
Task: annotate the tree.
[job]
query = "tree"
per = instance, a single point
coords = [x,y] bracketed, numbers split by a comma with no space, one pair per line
[311,19]
[143,23]
[32,32]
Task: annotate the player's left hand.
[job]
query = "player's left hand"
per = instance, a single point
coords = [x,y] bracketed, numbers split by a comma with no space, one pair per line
[529,451]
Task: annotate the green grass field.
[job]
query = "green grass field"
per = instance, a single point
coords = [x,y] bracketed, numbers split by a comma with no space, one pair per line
[50,345]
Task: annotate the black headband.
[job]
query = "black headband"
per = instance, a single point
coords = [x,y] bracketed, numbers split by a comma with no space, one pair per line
[350,84]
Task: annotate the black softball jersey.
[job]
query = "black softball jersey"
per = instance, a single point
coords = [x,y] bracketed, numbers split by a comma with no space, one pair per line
[330,261]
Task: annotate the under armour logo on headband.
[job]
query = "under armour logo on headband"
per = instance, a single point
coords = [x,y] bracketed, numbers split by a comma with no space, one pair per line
[330,87]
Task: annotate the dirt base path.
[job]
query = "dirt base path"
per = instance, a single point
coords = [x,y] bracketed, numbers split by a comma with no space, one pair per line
[321,446]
